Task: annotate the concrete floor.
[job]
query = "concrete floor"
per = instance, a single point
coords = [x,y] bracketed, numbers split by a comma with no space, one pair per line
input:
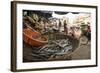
[83,52]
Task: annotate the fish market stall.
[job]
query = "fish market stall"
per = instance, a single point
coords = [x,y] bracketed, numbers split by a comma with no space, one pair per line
[59,47]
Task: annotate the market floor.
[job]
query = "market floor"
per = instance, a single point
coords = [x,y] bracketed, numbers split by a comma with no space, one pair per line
[83,52]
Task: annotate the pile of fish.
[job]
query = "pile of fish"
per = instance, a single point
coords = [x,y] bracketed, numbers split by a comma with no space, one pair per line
[56,47]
